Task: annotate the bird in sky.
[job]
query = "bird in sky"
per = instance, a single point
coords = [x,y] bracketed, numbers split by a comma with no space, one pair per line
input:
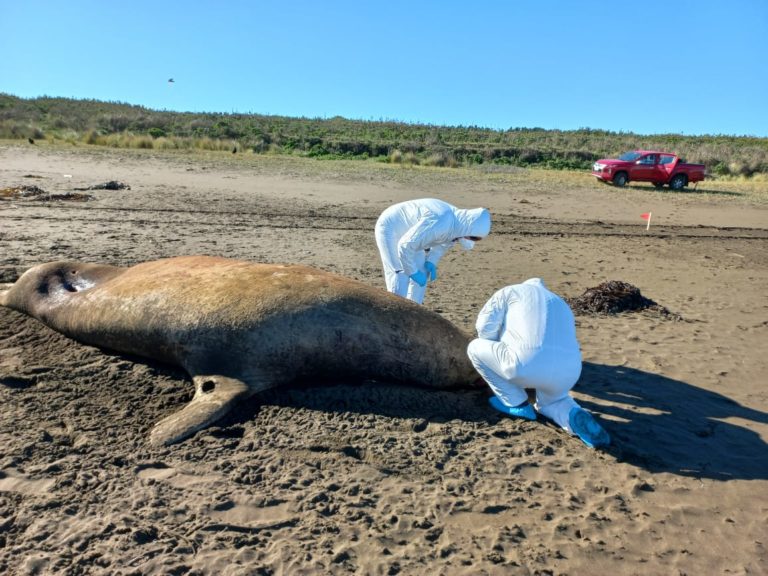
[171,80]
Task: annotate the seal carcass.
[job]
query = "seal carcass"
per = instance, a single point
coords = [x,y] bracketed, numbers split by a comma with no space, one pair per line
[239,328]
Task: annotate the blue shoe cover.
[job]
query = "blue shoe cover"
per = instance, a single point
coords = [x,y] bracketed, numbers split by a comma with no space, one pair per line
[525,411]
[584,425]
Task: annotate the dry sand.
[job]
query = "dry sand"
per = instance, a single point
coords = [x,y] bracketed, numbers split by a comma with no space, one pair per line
[391,480]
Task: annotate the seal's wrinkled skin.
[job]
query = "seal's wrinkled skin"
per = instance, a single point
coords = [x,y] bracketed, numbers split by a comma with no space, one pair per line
[239,328]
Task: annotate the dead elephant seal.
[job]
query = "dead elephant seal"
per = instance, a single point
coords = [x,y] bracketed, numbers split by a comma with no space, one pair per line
[239,328]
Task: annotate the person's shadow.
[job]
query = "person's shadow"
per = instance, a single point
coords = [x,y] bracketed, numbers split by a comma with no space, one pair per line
[664,425]
[656,423]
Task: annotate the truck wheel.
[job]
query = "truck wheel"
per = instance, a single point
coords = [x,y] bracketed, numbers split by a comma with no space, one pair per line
[678,182]
[620,179]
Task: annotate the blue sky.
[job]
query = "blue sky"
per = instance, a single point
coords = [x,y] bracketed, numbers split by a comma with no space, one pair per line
[670,66]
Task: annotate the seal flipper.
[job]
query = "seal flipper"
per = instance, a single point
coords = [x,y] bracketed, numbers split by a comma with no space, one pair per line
[214,397]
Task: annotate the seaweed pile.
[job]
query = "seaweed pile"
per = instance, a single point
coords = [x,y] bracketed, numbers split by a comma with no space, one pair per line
[110,185]
[615,297]
[37,193]
[21,192]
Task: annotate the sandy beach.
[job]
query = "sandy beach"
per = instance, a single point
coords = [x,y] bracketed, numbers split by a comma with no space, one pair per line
[384,479]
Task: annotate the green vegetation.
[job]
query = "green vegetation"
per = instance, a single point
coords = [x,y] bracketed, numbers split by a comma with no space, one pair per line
[126,126]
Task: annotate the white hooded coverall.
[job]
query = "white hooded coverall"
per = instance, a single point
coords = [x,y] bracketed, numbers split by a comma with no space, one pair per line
[411,233]
[527,339]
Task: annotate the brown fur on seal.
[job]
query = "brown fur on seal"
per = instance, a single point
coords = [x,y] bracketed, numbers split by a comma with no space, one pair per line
[238,327]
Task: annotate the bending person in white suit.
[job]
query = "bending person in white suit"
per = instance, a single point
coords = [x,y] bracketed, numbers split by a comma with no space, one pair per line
[412,236]
[527,339]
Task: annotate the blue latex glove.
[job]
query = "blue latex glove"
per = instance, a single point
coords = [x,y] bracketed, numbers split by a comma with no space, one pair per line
[419,277]
[431,271]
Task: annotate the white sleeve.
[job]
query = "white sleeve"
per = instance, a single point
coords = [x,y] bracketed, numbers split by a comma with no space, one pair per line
[418,237]
[436,252]
[490,321]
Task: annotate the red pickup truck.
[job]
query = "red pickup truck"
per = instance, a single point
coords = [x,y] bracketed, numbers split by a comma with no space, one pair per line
[648,166]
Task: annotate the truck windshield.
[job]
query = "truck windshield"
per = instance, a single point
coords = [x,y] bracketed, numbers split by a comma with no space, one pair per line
[630,156]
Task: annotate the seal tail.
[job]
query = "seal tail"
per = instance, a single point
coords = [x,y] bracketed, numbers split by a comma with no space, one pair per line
[214,397]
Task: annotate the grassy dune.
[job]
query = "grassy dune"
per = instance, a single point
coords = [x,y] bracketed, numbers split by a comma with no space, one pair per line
[121,125]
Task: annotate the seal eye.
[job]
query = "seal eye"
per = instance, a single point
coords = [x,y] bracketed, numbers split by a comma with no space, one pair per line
[208,386]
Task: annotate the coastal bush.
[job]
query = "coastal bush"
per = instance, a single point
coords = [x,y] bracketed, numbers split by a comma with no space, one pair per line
[442,159]
[116,124]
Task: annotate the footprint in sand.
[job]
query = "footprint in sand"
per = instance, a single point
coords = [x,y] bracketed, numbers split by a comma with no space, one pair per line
[238,514]
[12,481]
[253,514]
[176,478]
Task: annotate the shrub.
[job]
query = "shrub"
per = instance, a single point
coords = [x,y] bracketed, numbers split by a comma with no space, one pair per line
[260,146]
[740,168]
[317,150]
[163,143]
[442,159]
[410,158]
[91,137]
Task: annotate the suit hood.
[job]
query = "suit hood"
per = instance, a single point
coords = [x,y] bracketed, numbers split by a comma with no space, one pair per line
[472,222]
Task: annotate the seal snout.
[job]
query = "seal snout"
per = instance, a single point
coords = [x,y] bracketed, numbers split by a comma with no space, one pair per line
[47,286]
[68,281]
[71,281]
[5,290]
[63,280]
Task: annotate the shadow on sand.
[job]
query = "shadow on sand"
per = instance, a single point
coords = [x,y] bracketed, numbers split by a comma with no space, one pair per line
[707,189]
[665,425]
[656,423]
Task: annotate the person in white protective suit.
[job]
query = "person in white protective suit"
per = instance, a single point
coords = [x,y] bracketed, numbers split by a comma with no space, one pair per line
[527,339]
[412,236]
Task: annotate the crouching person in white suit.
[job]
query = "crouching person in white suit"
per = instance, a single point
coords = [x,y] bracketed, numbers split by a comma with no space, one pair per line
[527,339]
[412,236]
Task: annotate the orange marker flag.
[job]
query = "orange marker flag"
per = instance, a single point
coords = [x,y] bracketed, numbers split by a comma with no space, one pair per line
[647,216]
